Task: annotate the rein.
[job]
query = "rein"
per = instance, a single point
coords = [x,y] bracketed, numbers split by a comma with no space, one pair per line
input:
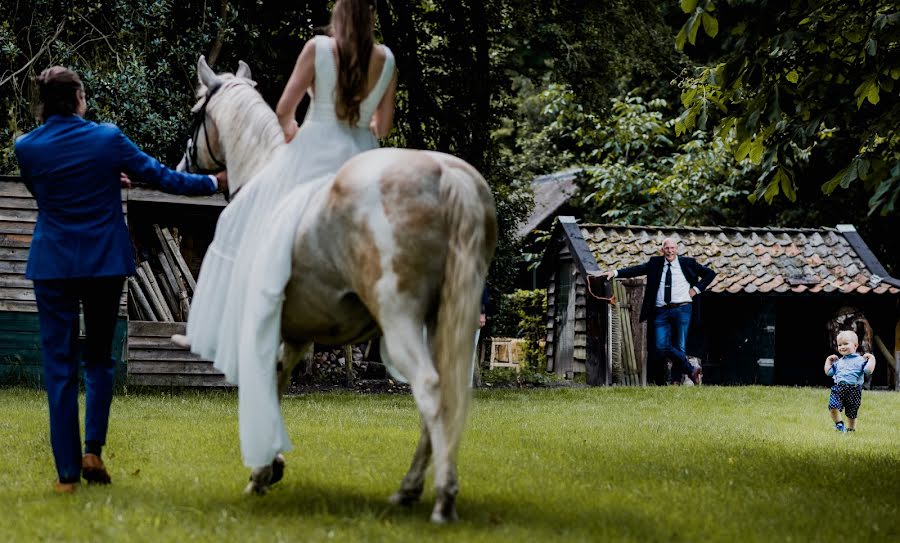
[611,299]
[199,121]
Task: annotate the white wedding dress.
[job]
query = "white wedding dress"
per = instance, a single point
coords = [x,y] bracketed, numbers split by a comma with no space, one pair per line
[236,308]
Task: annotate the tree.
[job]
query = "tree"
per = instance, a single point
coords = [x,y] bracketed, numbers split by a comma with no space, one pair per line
[807,86]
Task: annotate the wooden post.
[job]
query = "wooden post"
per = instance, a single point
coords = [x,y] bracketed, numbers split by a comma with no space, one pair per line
[179,260]
[172,262]
[151,278]
[628,337]
[891,361]
[348,358]
[169,297]
[897,355]
[182,304]
[134,289]
[150,293]
[610,311]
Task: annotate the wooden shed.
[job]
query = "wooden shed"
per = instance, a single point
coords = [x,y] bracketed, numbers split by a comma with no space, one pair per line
[765,318]
[143,352]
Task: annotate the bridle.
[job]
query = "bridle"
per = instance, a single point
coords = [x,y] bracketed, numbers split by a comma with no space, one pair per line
[199,121]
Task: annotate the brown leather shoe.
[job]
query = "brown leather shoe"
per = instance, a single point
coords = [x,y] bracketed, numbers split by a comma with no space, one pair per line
[64,488]
[93,470]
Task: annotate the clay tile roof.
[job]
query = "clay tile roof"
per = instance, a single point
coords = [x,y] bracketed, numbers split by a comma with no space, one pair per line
[748,260]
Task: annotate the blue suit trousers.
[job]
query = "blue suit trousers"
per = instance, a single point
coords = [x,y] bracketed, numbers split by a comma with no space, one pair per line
[58,303]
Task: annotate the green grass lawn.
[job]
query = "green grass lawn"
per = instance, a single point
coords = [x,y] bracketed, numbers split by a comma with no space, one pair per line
[599,464]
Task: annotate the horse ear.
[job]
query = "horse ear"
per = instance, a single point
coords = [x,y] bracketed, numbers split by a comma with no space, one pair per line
[205,74]
[243,71]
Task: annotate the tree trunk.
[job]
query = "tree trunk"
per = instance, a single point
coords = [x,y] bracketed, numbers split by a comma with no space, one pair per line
[399,32]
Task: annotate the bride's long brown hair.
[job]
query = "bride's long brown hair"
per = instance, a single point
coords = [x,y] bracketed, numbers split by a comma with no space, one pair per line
[351,27]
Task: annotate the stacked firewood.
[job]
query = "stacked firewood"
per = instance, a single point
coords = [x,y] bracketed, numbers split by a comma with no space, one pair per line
[330,364]
[162,286]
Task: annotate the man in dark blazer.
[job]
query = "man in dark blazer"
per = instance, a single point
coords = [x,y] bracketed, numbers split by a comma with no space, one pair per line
[80,254]
[672,283]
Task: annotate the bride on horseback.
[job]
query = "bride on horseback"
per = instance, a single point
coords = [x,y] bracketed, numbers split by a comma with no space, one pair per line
[352,82]
[331,240]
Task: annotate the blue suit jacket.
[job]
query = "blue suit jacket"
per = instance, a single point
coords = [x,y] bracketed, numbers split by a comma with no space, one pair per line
[72,167]
[697,275]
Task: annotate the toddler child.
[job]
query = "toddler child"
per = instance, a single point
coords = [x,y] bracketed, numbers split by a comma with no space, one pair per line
[848,372]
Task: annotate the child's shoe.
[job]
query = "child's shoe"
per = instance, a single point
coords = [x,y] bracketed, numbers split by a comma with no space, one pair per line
[839,426]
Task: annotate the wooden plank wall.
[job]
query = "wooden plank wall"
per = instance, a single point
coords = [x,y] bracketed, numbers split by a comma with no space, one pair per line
[153,360]
[577,364]
[580,352]
[549,348]
[18,213]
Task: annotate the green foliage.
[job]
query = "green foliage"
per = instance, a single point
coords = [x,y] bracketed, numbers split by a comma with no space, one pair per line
[636,170]
[524,377]
[136,58]
[541,135]
[807,89]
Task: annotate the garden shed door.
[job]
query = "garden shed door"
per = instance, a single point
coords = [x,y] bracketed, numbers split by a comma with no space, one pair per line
[564,356]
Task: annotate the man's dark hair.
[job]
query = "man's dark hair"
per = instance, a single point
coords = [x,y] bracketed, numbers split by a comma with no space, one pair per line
[58,88]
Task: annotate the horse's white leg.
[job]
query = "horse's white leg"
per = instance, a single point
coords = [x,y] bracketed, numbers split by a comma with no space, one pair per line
[414,482]
[446,485]
[410,355]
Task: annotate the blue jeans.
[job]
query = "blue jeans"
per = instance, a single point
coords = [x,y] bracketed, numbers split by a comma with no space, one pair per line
[671,326]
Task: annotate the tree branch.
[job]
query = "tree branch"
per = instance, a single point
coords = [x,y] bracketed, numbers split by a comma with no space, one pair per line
[43,48]
[220,36]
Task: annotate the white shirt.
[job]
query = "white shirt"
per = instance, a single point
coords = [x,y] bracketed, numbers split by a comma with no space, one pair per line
[680,286]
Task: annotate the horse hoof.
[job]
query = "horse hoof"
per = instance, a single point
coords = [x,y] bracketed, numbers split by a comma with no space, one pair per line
[277,469]
[444,509]
[253,488]
[444,517]
[406,499]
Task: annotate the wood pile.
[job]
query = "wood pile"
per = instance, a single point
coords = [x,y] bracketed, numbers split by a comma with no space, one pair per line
[626,363]
[329,364]
[162,286]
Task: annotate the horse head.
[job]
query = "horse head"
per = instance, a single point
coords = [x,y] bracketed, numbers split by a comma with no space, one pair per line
[214,116]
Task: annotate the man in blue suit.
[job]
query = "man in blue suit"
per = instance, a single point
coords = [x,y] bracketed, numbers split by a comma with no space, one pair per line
[673,282]
[80,254]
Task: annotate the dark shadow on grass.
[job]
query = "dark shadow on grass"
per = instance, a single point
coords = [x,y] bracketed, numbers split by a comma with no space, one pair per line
[810,477]
[287,501]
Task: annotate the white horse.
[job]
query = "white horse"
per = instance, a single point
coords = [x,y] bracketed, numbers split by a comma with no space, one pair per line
[422,269]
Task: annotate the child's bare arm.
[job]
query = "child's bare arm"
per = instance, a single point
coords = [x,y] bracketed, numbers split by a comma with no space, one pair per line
[829,362]
[870,363]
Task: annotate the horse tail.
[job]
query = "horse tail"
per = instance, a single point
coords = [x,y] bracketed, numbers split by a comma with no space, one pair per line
[470,219]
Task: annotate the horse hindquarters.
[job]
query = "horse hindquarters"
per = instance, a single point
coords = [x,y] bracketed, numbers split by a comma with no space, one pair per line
[442,390]
[471,222]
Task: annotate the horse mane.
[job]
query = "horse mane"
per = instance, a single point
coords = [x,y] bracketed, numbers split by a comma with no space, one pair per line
[249,131]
